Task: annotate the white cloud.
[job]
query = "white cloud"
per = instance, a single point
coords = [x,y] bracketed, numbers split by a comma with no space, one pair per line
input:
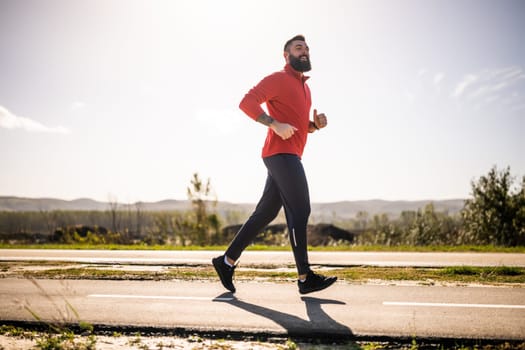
[492,85]
[464,84]
[509,73]
[10,121]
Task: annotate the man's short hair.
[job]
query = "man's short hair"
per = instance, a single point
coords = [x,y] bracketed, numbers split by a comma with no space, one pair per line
[289,42]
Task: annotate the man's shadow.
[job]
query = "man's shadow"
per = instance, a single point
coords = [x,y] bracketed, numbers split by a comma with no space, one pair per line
[319,324]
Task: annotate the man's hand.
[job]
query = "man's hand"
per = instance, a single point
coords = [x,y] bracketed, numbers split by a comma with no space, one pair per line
[284,130]
[319,120]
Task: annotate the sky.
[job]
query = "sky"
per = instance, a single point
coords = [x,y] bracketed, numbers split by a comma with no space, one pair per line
[125,99]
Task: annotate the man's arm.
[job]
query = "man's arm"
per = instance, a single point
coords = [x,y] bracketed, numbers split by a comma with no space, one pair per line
[262,92]
[265,119]
[251,105]
[284,130]
[312,127]
[319,122]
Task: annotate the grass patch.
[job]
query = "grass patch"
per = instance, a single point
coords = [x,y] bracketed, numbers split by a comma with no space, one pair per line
[485,273]
[12,331]
[93,274]
[460,274]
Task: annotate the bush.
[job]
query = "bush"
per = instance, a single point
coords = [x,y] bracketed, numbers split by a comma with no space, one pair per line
[496,212]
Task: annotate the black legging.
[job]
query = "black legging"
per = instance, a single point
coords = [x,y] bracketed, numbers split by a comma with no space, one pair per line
[286,186]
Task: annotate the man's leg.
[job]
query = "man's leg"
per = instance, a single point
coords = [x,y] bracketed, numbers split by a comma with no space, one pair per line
[265,211]
[289,176]
[288,173]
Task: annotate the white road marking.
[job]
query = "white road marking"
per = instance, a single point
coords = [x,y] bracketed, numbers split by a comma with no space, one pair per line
[162,297]
[493,306]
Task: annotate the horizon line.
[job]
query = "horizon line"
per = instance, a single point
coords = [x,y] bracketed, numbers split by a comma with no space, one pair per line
[227,201]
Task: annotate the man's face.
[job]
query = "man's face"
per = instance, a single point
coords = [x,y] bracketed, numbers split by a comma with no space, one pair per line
[298,56]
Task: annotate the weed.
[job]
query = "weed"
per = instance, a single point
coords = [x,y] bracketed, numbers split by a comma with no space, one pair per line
[498,274]
[13,331]
[66,341]
[414,345]
[195,339]
[291,345]
[137,340]
[372,346]
[59,336]
[508,271]
[461,270]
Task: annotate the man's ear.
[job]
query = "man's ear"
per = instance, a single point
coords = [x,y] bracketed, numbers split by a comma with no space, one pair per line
[286,54]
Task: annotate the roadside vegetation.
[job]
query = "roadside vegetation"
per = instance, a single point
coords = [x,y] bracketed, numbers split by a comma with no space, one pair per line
[493,219]
[258,247]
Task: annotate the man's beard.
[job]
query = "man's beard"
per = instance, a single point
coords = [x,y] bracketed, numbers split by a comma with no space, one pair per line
[298,65]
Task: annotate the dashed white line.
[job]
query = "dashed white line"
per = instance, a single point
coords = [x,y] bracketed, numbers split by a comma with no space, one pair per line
[160,297]
[489,306]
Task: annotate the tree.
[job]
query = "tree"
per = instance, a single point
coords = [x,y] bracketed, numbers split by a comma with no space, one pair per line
[430,227]
[426,226]
[519,219]
[114,213]
[495,213]
[200,195]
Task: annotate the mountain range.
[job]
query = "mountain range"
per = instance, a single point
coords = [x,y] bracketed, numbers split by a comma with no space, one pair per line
[340,210]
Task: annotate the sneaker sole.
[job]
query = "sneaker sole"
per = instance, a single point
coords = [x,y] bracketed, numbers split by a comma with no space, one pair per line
[216,261]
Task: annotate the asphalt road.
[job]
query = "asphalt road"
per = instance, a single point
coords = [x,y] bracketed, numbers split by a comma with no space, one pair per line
[171,257]
[344,310]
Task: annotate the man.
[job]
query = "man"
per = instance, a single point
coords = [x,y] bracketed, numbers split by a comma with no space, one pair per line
[287,98]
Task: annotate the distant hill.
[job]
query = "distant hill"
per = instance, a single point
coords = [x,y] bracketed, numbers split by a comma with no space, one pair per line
[349,209]
[48,204]
[320,211]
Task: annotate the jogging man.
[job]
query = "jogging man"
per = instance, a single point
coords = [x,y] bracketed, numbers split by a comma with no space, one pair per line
[288,100]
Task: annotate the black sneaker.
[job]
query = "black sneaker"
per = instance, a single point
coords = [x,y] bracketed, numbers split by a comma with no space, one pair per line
[225,272]
[315,282]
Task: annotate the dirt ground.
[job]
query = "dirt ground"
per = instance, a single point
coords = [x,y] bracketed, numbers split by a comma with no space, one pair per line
[159,343]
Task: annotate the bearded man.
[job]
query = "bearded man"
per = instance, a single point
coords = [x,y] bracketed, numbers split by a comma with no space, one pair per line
[288,101]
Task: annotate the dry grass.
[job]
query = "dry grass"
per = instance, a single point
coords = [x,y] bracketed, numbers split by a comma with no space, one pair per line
[459,274]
